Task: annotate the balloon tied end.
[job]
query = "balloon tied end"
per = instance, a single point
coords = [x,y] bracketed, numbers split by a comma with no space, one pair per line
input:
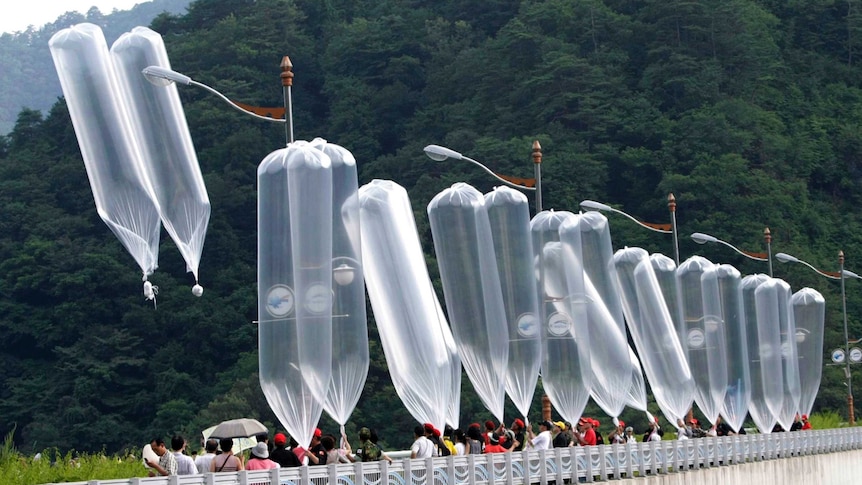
[150,292]
[197,290]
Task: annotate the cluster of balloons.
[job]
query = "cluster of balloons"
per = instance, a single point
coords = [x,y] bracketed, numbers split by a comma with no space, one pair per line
[135,143]
[524,297]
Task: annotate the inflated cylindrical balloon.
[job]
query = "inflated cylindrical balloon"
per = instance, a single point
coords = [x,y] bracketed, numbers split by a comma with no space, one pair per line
[167,153]
[652,330]
[764,398]
[111,154]
[777,333]
[406,308]
[509,215]
[566,375]
[705,333]
[729,309]
[665,273]
[350,359]
[809,313]
[295,284]
[471,285]
[611,381]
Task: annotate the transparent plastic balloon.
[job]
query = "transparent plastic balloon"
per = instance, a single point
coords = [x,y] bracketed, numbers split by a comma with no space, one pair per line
[295,284]
[705,333]
[611,381]
[566,375]
[763,398]
[167,153]
[471,285]
[652,331]
[406,309]
[509,215]
[350,359]
[637,392]
[729,309]
[777,333]
[665,273]
[809,313]
[122,191]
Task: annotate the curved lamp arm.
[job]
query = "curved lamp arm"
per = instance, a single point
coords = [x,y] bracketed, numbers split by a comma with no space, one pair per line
[702,238]
[161,76]
[786,258]
[591,204]
[438,153]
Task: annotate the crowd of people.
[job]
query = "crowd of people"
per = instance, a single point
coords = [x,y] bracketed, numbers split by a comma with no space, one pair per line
[428,442]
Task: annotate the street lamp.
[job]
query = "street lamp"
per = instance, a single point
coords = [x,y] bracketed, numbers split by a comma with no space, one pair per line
[662,228]
[702,238]
[161,76]
[842,274]
[439,153]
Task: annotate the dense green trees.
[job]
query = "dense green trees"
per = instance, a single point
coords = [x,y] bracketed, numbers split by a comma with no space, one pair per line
[748,111]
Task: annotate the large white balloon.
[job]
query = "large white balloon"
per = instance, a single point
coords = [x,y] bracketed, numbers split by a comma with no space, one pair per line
[637,393]
[406,309]
[764,398]
[350,359]
[705,333]
[167,153]
[777,333]
[611,379]
[729,309]
[509,215]
[809,313]
[471,285]
[121,189]
[295,284]
[652,330]
[566,375]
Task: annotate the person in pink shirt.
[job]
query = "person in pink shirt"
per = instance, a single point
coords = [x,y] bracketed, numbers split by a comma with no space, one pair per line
[259,459]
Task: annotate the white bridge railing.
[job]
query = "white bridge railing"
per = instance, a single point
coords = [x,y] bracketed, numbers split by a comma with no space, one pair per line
[592,463]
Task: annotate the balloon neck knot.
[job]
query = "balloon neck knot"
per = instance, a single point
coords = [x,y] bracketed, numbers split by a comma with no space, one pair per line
[150,292]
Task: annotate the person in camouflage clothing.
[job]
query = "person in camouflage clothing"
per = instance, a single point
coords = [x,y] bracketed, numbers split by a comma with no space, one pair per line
[368,449]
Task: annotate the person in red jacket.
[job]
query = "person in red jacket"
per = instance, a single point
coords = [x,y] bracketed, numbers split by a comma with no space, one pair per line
[586,434]
[493,445]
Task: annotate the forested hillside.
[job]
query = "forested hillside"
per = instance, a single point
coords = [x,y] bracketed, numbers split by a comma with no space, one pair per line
[748,111]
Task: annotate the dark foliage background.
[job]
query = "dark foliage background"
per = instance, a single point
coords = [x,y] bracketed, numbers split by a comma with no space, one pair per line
[747,110]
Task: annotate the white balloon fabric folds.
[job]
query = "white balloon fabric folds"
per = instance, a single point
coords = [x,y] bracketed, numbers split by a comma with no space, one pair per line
[350,358]
[809,313]
[509,215]
[167,153]
[653,333]
[566,375]
[408,314]
[295,284]
[471,286]
[611,381]
[779,361]
[637,392]
[764,398]
[705,332]
[121,189]
[729,310]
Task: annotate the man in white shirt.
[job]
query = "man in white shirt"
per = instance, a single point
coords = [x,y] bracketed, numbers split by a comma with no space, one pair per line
[202,462]
[185,465]
[542,441]
[422,447]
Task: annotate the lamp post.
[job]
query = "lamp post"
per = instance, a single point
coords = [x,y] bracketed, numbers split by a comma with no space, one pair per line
[439,153]
[662,228]
[842,274]
[702,238]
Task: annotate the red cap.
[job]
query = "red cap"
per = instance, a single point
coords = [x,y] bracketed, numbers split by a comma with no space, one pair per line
[693,421]
[474,425]
[317,433]
[518,423]
[436,432]
[804,417]
[489,425]
[596,423]
[622,423]
[279,439]
[428,427]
